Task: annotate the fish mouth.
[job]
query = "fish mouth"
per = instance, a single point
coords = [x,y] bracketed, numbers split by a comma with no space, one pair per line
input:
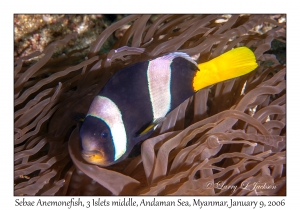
[95,157]
[91,153]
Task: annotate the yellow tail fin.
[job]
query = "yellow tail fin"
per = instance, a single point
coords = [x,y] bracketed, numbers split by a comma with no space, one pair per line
[231,64]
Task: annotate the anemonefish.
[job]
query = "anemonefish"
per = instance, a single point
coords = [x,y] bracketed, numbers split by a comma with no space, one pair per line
[137,98]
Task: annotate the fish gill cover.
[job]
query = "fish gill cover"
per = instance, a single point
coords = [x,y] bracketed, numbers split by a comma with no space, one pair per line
[225,135]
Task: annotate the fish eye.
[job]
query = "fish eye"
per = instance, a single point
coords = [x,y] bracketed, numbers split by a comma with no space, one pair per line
[104,134]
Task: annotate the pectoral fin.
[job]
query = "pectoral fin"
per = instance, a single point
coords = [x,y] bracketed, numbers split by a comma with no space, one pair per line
[152,126]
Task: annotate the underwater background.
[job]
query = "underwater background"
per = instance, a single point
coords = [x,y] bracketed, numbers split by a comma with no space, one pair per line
[230,133]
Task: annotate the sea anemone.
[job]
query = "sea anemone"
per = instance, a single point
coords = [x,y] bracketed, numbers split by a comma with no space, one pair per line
[229,134]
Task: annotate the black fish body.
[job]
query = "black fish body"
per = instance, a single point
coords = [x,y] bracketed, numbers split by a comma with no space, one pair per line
[142,94]
[137,98]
